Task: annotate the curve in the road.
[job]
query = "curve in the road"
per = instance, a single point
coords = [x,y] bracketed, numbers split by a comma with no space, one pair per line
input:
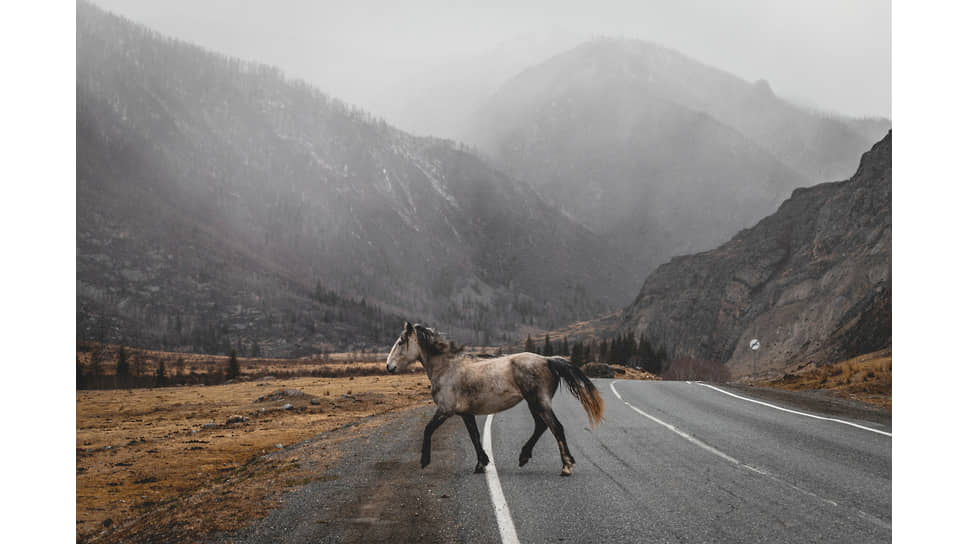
[782,409]
[871,518]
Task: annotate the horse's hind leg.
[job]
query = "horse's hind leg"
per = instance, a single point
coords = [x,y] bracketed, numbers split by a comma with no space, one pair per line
[539,428]
[471,423]
[567,461]
[436,421]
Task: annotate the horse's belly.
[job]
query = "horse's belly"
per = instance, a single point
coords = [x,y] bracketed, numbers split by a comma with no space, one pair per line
[493,403]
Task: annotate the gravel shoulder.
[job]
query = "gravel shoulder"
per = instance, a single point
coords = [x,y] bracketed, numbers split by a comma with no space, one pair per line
[375,493]
[818,401]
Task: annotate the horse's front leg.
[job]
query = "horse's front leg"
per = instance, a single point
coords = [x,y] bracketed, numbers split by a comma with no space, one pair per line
[471,423]
[439,417]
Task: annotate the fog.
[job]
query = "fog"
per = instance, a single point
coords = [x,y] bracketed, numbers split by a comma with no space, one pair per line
[420,64]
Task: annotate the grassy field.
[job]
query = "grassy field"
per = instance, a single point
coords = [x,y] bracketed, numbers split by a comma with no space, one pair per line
[168,461]
[177,463]
[866,378]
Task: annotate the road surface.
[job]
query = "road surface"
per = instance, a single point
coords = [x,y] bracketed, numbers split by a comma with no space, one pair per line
[672,462]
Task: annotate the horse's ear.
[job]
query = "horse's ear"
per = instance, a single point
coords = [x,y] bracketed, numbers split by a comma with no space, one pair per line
[408,328]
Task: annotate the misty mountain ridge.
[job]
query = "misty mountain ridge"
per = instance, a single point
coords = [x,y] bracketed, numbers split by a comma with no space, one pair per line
[218,199]
[661,154]
[812,281]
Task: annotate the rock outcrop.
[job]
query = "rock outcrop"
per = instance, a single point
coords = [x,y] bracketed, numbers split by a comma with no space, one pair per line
[812,281]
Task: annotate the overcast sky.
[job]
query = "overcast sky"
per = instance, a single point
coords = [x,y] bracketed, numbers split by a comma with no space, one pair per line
[833,55]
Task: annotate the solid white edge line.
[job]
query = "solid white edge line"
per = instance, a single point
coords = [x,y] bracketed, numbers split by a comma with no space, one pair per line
[885,433]
[505,525]
[707,447]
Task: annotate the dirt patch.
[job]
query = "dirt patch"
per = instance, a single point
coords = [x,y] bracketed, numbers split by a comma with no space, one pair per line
[174,464]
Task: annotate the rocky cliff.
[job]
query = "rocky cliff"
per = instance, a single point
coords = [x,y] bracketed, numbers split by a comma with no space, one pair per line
[812,281]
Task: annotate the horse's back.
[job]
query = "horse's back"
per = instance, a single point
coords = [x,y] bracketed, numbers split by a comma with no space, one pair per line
[532,374]
[485,386]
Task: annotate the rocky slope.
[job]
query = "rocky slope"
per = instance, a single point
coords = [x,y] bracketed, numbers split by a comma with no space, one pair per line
[812,281]
[220,203]
[660,153]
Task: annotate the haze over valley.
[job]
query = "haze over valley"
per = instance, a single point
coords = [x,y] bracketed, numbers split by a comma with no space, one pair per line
[225,204]
[336,261]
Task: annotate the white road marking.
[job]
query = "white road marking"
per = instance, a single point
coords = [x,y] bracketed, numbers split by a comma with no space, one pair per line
[864,515]
[885,433]
[505,525]
[687,436]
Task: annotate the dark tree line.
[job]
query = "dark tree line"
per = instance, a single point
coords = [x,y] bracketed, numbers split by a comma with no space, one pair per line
[130,368]
[623,349]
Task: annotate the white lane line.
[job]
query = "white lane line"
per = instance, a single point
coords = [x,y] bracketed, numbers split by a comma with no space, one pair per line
[864,515]
[505,525]
[885,433]
[672,428]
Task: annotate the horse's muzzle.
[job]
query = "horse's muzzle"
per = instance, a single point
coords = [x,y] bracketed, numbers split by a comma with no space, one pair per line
[391,370]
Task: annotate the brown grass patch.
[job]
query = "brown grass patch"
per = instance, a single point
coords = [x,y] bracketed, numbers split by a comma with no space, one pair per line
[866,378]
[629,373]
[165,464]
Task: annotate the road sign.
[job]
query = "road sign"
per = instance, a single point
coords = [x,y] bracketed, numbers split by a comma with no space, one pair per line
[754,344]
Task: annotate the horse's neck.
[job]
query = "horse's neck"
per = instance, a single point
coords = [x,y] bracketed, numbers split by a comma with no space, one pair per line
[437,365]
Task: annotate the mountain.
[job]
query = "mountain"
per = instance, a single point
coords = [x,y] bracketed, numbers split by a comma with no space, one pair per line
[811,281]
[438,99]
[220,203]
[655,151]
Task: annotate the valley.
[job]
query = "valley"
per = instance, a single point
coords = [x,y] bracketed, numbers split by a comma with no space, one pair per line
[249,246]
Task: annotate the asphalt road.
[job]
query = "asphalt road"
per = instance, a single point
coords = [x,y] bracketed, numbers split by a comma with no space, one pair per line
[672,462]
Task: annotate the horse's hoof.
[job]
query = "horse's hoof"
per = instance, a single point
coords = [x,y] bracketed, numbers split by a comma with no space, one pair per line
[423,464]
[523,461]
[566,470]
[479,469]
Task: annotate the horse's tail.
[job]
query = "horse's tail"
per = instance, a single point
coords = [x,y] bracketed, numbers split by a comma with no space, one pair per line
[580,386]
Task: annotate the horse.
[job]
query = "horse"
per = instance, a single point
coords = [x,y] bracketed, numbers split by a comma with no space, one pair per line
[469,386]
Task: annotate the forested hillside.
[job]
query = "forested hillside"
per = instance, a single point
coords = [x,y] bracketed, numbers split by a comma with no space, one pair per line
[222,204]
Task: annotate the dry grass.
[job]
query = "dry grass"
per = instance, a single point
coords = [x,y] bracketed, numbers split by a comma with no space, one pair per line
[332,365]
[628,373]
[866,378]
[165,462]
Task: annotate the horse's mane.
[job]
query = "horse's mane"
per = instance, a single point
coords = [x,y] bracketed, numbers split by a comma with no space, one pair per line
[434,344]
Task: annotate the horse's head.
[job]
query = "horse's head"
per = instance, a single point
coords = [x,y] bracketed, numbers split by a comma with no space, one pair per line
[405,351]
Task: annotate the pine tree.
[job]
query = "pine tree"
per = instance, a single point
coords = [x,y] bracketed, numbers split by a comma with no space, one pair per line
[548,351]
[80,373]
[318,293]
[564,346]
[529,345]
[578,354]
[161,379]
[661,359]
[122,372]
[233,369]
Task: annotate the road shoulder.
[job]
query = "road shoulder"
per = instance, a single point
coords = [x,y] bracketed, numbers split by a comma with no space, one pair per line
[819,402]
[375,493]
